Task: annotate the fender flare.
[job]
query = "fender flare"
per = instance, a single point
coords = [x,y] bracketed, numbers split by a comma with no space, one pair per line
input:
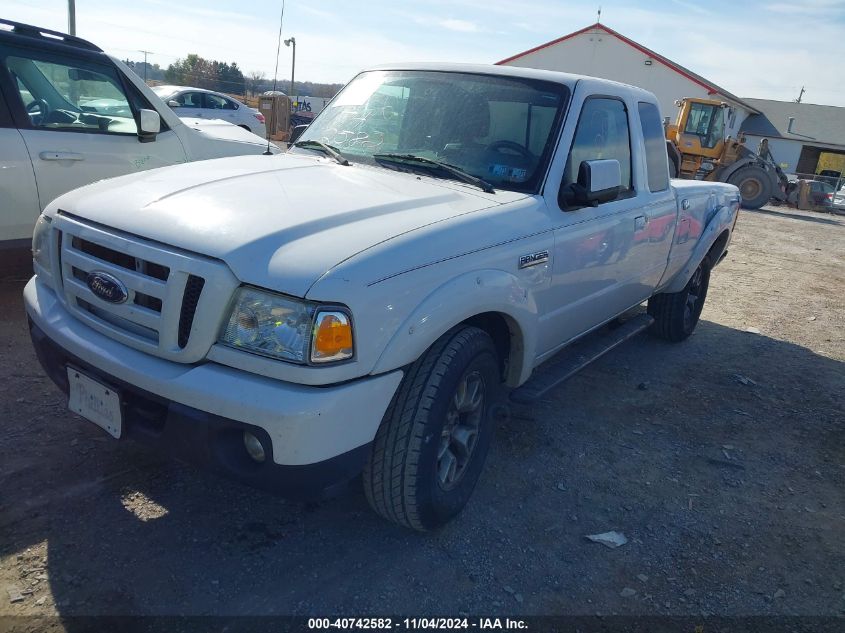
[721,221]
[461,298]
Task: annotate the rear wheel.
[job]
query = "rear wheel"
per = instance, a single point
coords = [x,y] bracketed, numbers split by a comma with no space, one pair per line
[676,313]
[754,186]
[432,443]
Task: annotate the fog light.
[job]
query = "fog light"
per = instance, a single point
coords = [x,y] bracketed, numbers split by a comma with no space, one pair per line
[254,447]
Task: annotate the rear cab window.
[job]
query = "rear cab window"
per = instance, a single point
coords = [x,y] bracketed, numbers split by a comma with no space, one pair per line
[656,158]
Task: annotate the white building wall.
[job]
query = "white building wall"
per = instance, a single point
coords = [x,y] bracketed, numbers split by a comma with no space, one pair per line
[735,122]
[600,54]
[785,151]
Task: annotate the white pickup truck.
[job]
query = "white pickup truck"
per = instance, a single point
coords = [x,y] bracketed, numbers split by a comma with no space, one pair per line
[364,302]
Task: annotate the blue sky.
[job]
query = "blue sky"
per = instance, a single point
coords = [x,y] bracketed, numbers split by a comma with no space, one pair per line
[764,49]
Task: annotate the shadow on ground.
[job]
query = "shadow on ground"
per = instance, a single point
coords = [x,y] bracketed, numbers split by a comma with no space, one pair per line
[721,459]
[783,213]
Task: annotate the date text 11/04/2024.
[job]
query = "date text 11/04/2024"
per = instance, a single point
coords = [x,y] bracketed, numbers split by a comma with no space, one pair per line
[355,624]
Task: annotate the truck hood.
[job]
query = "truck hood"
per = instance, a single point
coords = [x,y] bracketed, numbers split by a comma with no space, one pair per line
[220,130]
[214,138]
[279,222]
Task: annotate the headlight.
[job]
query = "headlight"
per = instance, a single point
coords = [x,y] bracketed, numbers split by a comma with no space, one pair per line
[281,327]
[41,245]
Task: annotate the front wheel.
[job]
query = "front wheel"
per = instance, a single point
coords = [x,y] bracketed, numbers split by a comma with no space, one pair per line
[432,443]
[676,313]
[754,186]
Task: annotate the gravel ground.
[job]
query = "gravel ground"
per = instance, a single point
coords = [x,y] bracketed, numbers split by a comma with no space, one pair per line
[722,460]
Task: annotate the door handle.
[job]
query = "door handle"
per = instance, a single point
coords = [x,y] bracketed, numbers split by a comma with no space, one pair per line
[640,222]
[61,156]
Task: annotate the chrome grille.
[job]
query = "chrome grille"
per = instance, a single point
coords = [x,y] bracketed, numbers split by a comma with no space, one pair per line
[165,289]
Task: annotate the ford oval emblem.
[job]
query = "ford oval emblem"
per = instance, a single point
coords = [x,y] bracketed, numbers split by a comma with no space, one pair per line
[107,287]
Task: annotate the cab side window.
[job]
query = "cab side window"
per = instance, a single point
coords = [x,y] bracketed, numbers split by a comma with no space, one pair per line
[602,133]
[655,147]
[213,102]
[78,97]
[189,99]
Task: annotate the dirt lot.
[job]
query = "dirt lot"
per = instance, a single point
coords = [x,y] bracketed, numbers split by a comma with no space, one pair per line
[721,459]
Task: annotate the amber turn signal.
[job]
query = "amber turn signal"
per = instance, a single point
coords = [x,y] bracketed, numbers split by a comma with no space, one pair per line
[332,337]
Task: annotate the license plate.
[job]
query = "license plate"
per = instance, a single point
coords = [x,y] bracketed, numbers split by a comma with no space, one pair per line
[95,402]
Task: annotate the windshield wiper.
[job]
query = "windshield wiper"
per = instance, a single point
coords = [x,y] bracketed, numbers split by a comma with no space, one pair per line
[327,149]
[457,172]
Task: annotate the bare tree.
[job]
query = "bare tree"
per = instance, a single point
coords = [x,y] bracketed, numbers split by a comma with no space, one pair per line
[254,80]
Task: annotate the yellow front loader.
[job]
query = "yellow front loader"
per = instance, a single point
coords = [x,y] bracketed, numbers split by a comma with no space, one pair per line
[698,149]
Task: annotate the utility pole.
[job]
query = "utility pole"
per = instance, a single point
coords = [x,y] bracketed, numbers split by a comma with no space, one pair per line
[71,17]
[145,63]
[292,42]
[800,94]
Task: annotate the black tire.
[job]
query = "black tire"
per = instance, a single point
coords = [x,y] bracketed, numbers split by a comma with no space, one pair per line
[755,187]
[403,475]
[676,314]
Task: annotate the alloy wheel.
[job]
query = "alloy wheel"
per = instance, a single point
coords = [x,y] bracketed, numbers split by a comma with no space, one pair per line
[460,432]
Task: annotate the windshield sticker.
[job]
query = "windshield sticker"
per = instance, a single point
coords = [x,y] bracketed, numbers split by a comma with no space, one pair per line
[499,171]
[518,175]
[506,172]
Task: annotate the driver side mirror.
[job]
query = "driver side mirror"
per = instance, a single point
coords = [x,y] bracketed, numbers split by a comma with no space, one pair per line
[297,132]
[598,181]
[149,125]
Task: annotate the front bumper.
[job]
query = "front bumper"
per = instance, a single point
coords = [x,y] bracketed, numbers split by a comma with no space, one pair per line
[315,437]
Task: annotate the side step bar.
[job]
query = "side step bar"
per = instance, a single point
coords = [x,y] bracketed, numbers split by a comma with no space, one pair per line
[573,358]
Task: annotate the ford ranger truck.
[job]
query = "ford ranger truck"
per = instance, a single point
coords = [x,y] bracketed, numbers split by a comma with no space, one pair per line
[439,237]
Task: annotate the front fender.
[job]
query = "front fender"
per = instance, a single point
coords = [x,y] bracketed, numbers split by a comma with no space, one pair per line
[722,220]
[459,299]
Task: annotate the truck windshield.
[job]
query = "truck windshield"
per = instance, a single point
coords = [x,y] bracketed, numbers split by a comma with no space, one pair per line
[498,129]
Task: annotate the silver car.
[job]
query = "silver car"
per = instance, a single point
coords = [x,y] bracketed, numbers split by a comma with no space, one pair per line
[190,102]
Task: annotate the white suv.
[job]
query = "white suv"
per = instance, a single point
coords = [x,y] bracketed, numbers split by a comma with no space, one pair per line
[71,115]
